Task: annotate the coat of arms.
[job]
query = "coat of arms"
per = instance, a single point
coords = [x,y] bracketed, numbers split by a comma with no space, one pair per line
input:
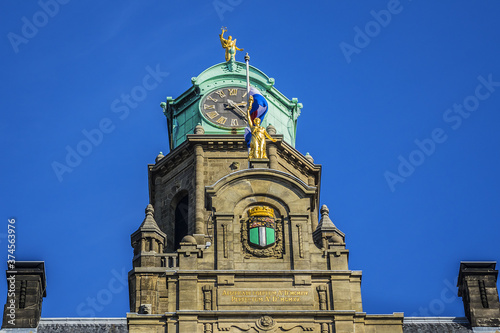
[261,233]
[261,227]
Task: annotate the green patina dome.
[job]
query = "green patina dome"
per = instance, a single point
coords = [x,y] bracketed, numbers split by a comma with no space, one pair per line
[184,114]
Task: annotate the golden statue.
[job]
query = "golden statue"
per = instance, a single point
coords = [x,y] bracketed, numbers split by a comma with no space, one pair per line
[259,134]
[229,44]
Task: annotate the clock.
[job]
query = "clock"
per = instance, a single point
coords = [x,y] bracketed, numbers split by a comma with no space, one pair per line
[225,107]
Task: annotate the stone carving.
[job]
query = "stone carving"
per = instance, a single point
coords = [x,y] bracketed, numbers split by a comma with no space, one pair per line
[301,242]
[240,327]
[22,297]
[482,292]
[207,297]
[208,328]
[265,323]
[224,239]
[234,166]
[145,309]
[322,297]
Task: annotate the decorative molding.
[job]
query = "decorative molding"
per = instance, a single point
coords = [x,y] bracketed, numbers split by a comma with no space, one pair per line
[224,240]
[482,292]
[225,146]
[208,327]
[22,297]
[301,242]
[207,297]
[231,66]
[265,323]
[322,297]
[225,280]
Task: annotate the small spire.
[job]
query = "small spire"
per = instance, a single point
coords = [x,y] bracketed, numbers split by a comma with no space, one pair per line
[159,157]
[149,222]
[325,221]
[149,209]
[310,159]
[326,232]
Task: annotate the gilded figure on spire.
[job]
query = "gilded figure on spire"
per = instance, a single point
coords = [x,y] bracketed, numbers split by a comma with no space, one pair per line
[229,45]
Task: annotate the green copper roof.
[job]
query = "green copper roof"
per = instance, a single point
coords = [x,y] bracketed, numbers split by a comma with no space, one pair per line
[183,113]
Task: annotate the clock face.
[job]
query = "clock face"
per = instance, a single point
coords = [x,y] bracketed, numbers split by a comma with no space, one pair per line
[225,107]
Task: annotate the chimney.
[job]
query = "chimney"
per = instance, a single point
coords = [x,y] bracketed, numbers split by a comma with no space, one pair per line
[477,285]
[25,291]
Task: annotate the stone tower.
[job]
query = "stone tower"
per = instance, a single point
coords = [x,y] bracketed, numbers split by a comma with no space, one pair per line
[477,285]
[235,245]
[26,288]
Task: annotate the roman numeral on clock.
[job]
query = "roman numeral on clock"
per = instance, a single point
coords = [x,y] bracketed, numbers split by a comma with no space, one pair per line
[232,92]
[212,114]
[208,107]
[234,122]
[222,120]
[220,93]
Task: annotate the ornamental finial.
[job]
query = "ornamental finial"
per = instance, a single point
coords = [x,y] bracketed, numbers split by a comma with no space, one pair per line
[150,210]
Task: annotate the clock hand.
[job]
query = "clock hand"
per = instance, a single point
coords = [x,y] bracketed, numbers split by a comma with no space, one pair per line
[238,104]
[235,106]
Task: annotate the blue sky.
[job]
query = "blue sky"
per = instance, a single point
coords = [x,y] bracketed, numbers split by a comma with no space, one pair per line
[401,107]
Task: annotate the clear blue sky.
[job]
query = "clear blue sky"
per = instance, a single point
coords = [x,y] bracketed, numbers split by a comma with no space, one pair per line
[368,97]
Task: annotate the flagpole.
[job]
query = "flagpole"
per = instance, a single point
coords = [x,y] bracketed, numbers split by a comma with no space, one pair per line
[247,59]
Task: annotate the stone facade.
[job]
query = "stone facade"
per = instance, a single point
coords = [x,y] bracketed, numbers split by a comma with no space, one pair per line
[215,279]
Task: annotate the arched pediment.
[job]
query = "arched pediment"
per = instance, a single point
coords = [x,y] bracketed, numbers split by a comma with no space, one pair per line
[246,184]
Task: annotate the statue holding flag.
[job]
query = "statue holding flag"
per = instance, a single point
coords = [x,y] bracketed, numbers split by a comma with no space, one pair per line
[229,44]
[255,134]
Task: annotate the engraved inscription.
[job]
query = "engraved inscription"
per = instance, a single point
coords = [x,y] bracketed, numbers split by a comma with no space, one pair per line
[265,296]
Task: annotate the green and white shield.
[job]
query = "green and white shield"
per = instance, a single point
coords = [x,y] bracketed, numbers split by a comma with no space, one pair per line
[261,231]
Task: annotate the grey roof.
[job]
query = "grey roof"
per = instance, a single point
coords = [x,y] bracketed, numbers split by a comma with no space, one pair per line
[82,325]
[119,325]
[436,325]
